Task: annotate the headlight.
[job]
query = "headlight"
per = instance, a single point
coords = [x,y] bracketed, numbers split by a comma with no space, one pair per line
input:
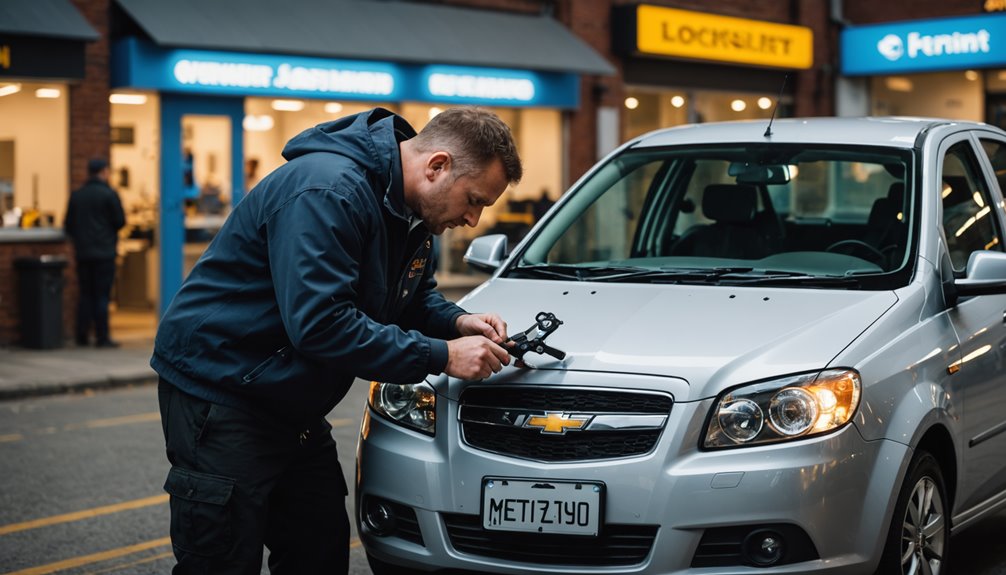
[784,409]
[413,405]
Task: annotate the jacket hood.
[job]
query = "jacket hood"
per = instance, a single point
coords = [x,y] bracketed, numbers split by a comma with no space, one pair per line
[702,339]
[369,138]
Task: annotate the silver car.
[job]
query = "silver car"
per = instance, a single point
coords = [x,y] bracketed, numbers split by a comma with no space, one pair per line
[767,349]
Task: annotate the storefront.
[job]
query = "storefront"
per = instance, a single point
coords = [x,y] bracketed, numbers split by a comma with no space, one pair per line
[944,67]
[42,53]
[196,126]
[684,67]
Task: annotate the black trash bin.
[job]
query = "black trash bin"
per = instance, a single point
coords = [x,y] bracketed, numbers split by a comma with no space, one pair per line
[40,289]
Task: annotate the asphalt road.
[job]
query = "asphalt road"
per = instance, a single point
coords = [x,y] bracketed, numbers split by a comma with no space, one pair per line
[81,477]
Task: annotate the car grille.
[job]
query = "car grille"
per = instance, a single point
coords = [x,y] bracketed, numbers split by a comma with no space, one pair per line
[494,418]
[616,545]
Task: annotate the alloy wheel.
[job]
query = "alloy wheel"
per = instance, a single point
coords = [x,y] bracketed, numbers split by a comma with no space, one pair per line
[923,530]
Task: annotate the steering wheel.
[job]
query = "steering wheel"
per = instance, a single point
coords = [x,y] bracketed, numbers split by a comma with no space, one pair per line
[876,255]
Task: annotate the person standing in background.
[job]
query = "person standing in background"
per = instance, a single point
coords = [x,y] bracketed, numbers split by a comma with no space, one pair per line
[94,217]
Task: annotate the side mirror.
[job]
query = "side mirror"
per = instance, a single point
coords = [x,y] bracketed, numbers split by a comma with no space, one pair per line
[486,253]
[986,275]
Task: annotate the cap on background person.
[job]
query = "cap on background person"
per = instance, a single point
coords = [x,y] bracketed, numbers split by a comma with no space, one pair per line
[95,165]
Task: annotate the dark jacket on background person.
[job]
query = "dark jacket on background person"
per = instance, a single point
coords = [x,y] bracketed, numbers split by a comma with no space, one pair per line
[94,217]
[314,279]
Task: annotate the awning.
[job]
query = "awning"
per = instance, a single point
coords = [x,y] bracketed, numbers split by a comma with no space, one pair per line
[46,18]
[368,30]
[42,39]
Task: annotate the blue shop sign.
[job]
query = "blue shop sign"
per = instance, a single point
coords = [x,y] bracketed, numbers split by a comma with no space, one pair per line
[140,65]
[925,45]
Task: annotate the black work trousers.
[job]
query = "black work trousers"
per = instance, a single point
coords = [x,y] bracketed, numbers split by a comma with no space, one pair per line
[94,282]
[239,483]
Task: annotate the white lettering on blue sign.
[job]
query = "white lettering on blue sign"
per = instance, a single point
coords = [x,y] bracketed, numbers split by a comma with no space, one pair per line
[483,87]
[331,80]
[285,77]
[223,74]
[893,47]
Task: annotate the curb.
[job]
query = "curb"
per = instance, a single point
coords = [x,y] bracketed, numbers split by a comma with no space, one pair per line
[42,389]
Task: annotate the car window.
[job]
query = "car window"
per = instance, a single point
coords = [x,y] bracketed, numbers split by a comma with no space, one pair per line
[996,152]
[826,210]
[968,222]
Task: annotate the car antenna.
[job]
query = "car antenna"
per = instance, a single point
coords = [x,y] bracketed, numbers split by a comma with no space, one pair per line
[768,130]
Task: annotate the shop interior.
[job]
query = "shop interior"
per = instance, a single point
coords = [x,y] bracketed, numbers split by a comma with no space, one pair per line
[648,109]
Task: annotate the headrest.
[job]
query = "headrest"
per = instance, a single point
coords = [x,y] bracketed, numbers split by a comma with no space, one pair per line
[730,203]
[896,194]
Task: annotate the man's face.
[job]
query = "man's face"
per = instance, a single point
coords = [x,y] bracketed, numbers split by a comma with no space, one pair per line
[451,202]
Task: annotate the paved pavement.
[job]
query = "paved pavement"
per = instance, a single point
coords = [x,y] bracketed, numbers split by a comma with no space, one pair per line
[28,372]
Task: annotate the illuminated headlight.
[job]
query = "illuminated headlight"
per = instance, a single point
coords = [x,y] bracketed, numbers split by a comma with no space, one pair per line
[413,405]
[784,409]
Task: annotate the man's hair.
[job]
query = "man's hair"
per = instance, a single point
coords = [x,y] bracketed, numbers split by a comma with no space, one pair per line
[474,137]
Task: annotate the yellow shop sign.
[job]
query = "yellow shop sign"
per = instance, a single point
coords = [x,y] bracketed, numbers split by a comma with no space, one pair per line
[701,36]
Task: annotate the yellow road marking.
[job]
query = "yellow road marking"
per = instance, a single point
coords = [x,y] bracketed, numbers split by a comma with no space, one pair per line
[113,421]
[92,558]
[131,563]
[341,422]
[11,437]
[85,514]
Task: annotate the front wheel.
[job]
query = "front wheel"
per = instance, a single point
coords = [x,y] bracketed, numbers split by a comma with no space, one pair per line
[918,542]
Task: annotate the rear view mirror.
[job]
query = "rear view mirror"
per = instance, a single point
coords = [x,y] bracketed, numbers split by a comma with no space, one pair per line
[760,173]
[486,253]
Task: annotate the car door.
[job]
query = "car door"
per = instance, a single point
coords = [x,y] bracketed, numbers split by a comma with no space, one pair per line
[971,219]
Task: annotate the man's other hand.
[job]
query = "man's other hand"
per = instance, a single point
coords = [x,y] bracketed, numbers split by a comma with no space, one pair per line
[489,325]
[474,357]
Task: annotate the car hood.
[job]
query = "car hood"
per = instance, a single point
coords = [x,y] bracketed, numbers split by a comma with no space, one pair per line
[708,337]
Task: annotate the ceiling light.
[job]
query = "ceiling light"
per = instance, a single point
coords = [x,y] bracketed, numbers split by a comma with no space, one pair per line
[48,93]
[677,101]
[8,89]
[971,75]
[254,123]
[333,107]
[433,112]
[631,103]
[898,84]
[128,99]
[764,103]
[288,105]
[738,105]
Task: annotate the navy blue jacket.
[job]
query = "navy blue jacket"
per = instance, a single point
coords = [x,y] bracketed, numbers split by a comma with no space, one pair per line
[314,279]
[94,217]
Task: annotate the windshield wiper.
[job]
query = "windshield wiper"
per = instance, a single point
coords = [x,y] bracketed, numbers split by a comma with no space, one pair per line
[627,273]
[792,278]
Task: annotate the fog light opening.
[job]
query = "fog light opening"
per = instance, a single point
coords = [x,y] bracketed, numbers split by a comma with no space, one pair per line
[379,517]
[764,547]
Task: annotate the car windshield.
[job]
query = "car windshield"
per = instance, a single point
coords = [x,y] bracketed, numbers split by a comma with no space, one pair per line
[803,215]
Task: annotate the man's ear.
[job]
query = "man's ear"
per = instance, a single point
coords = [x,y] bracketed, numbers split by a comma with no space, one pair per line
[437,163]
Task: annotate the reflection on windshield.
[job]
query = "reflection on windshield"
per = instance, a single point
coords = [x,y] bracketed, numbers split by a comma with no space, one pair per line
[774,211]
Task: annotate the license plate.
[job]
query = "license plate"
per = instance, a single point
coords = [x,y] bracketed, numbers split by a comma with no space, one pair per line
[567,507]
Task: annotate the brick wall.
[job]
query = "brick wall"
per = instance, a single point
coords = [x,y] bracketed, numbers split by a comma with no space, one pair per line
[90,134]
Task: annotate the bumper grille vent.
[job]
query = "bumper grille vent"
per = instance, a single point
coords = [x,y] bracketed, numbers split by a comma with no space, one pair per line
[495,419]
[616,545]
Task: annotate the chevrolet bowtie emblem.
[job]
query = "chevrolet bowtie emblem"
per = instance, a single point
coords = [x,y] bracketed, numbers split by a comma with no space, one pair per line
[557,422]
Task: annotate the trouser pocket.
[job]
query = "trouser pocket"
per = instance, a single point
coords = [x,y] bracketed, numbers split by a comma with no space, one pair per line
[200,511]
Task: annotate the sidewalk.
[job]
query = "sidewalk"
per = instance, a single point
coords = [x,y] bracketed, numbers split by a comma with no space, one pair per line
[34,372]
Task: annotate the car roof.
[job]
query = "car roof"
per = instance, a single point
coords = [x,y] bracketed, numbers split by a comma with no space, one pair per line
[875,131]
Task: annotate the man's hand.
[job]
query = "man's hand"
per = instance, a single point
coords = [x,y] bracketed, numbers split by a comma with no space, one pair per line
[489,325]
[474,357]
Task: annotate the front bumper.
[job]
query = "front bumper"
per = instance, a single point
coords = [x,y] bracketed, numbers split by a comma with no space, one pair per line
[837,489]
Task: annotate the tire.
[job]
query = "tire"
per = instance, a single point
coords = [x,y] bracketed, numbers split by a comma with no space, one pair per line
[923,502]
